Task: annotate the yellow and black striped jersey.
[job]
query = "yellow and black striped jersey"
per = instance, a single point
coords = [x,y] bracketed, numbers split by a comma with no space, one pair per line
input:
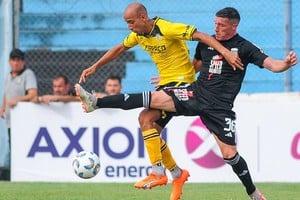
[168,49]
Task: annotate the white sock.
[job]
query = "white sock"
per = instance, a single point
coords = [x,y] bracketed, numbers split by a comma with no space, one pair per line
[176,172]
[158,169]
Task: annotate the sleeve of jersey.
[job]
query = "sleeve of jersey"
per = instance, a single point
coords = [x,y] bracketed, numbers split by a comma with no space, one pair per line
[130,40]
[257,55]
[180,31]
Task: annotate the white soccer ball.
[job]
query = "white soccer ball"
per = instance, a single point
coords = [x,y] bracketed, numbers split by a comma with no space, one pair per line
[86,164]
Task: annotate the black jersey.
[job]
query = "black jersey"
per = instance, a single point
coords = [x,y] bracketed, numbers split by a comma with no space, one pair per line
[218,82]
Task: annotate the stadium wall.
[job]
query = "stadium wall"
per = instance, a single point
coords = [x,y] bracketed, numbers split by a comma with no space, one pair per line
[267,129]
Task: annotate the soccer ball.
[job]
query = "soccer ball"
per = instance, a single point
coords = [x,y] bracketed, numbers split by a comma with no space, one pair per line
[86,164]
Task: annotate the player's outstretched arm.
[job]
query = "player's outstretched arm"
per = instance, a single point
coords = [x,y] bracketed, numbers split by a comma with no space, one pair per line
[281,65]
[109,56]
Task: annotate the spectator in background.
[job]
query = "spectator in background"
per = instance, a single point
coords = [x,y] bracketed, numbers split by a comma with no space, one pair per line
[113,85]
[20,85]
[62,91]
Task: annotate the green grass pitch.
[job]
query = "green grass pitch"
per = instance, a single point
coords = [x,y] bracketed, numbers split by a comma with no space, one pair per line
[126,191]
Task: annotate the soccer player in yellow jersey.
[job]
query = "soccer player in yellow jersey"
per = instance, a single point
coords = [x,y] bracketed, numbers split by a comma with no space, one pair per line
[167,47]
[165,43]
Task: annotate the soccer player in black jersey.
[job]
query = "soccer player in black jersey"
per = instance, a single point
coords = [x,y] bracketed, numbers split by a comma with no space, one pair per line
[211,97]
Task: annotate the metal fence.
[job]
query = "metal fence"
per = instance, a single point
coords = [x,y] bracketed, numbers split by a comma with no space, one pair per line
[66,36]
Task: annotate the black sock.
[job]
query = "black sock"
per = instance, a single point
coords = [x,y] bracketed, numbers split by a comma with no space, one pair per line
[240,168]
[125,101]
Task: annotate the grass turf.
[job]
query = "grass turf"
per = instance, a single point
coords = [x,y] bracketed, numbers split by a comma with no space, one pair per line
[125,191]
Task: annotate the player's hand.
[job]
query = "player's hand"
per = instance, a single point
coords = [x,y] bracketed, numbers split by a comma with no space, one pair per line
[234,61]
[47,98]
[291,59]
[87,72]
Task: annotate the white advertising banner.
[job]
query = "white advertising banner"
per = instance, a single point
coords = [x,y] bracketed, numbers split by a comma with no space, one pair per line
[45,138]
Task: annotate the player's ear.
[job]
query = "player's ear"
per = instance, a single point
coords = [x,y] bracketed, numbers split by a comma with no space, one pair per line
[143,16]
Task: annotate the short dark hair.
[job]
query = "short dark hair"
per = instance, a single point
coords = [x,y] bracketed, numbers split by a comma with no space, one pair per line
[114,77]
[17,53]
[64,77]
[230,13]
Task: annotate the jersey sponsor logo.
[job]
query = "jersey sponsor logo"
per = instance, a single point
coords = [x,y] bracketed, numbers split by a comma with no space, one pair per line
[216,64]
[202,147]
[183,94]
[155,49]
